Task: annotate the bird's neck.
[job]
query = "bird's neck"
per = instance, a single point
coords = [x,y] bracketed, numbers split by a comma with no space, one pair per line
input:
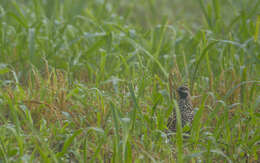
[186,99]
[183,102]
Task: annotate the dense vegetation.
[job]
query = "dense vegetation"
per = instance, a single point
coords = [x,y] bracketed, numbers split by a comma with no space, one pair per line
[95,80]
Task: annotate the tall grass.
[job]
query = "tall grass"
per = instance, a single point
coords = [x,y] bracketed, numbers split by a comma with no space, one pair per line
[95,81]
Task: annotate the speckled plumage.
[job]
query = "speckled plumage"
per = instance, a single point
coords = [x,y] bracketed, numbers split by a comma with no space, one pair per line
[185,106]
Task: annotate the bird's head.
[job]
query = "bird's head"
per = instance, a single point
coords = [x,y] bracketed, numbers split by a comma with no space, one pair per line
[183,91]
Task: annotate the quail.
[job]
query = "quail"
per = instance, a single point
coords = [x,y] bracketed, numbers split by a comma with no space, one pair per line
[185,107]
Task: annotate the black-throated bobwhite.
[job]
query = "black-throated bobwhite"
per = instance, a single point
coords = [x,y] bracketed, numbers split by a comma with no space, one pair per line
[185,107]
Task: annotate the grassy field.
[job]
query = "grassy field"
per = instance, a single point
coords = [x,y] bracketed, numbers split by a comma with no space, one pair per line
[95,80]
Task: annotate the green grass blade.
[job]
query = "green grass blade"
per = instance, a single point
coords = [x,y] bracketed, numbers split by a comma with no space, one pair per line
[197,122]
[179,139]
[117,149]
[68,143]
[203,54]
[257,27]
[133,117]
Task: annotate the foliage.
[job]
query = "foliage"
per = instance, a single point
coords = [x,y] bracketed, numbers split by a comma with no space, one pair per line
[88,81]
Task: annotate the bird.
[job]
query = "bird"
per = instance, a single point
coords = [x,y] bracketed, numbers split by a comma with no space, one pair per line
[185,107]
